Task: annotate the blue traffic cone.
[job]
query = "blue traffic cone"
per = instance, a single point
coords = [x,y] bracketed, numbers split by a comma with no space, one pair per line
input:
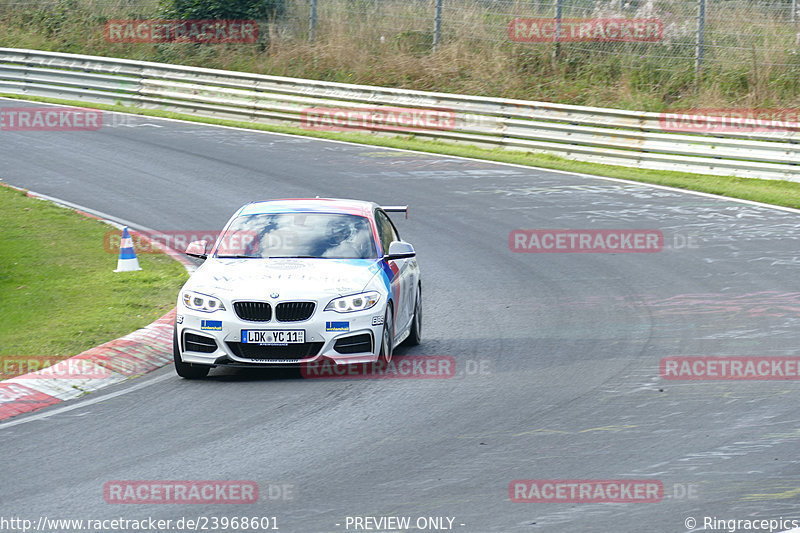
[127,261]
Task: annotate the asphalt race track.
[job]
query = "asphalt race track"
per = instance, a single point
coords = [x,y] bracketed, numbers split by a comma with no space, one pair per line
[557,354]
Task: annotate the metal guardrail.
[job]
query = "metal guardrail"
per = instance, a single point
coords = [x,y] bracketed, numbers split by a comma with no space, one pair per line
[609,136]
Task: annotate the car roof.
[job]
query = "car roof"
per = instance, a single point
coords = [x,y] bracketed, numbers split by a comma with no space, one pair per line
[310,205]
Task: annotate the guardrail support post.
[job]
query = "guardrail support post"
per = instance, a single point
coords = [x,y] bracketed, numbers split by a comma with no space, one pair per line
[312,21]
[437,25]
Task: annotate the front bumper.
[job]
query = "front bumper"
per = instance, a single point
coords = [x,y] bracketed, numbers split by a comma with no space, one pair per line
[215,338]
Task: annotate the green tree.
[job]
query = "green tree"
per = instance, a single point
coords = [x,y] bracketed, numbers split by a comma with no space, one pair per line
[224,9]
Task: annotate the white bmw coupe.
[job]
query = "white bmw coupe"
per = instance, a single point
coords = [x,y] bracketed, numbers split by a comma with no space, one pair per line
[298,281]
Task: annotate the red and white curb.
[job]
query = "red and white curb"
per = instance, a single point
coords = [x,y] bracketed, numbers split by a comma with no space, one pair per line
[137,353]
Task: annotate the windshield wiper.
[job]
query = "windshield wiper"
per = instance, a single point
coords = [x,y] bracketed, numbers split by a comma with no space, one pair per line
[239,256]
[294,257]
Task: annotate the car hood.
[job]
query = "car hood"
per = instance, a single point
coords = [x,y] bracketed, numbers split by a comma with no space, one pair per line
[290,278]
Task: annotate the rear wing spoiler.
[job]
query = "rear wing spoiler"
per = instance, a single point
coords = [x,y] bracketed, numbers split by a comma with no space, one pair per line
[396,209]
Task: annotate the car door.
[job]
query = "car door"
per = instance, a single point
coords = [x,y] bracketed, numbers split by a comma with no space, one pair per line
[403,281]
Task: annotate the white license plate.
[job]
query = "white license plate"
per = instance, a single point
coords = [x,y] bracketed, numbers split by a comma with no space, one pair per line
[274,337]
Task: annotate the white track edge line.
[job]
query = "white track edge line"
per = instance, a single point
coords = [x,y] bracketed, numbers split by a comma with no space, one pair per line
[78,402]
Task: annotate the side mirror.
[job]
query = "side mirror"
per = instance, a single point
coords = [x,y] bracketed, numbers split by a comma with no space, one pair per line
[197,249]
[400,250]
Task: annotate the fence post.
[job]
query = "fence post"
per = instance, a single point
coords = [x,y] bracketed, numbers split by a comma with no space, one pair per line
[557,45]
[312,21]
[701,31]
[437,25]
[794,11]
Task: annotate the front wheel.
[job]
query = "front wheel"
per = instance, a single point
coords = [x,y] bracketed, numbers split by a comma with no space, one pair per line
[186,370]
[415,336]
[387,338]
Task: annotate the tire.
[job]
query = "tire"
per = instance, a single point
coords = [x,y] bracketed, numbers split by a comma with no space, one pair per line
[387,338]
[186,370]
[415,336]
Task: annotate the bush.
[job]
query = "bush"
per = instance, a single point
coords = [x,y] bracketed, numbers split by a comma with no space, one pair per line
[224,9]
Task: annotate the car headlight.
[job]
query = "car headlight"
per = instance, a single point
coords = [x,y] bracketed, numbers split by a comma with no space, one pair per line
[355,302]
[202,302]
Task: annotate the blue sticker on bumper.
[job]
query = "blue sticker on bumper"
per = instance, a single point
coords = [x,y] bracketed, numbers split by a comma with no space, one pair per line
[213,325]
[337,326]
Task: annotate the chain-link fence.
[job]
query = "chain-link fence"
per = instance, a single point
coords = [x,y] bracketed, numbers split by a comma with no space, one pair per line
[741,47]
[693,33]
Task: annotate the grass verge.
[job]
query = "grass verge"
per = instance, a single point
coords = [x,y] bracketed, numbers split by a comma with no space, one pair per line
[776,192]
[58,294]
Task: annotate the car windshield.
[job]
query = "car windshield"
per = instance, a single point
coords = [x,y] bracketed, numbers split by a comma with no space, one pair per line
[316,235]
